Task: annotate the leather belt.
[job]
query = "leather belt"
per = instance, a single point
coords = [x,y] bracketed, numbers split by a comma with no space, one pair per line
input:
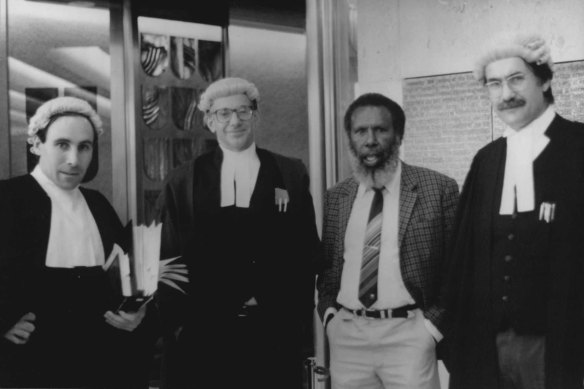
[248,310]
[383,313]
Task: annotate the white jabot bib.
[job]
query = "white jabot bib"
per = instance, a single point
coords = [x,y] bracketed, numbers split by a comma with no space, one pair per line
[239,173]
[523,147]
[74,238]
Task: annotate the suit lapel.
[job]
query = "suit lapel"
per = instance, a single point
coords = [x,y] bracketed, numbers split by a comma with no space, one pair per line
[347,196]
[407,199]
[546,167]
[37,215]
[493,173]
[206,186]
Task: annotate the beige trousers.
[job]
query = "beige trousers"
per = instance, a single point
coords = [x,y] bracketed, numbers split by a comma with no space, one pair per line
[394,353]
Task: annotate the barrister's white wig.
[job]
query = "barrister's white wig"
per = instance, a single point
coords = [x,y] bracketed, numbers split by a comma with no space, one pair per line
[228,87]
[530,47]
[62,106]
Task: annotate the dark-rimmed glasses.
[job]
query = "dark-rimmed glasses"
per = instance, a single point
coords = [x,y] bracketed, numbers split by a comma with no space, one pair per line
[224,115]
[514,82]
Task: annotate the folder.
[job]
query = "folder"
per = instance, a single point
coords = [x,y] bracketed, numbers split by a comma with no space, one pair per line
[134,274]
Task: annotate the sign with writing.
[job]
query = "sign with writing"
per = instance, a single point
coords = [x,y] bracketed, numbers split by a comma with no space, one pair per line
[449,117]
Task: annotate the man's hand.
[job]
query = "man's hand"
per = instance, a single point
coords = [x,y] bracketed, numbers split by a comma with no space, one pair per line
[20,332]
[127,321]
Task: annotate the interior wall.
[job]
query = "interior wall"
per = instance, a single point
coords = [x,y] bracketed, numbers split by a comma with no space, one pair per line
[448,34]
[400,38]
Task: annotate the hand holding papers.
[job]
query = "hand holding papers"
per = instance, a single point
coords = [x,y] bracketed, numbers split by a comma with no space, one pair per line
[135,274]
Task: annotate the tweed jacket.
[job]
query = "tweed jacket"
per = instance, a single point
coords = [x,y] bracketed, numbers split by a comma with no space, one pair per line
[427,206]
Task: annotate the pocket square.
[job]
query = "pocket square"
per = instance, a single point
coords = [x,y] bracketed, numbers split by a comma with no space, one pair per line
[547,211]
[282,199]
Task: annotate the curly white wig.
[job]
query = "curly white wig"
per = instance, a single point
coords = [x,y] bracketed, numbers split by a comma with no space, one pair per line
[61,106]
[228,87]
[531,47]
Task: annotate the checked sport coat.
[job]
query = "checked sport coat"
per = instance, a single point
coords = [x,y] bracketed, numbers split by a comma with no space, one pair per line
[427,206]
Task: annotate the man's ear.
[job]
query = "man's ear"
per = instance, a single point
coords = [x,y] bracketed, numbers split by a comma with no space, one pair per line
[35,148]
[546,85]
[399,140]
[209,123]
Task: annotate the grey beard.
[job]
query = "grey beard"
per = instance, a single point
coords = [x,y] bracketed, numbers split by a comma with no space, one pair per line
[376,177]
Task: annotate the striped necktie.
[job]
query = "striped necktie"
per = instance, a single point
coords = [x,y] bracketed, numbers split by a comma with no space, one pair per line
[371,248]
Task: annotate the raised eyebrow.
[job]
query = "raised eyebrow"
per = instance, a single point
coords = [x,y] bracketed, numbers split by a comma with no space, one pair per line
[515,74]
[492,79]
[375,128]
[61,140]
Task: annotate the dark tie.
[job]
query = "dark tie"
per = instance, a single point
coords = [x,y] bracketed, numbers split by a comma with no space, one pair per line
[370,264]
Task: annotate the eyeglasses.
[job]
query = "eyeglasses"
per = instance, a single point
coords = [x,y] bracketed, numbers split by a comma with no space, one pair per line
[224,115]
[514,82]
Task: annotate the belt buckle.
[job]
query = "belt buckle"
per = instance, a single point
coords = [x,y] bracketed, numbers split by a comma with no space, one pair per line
[243,312]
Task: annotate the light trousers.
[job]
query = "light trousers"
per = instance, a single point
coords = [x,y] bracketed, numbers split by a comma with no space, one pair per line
[395,353]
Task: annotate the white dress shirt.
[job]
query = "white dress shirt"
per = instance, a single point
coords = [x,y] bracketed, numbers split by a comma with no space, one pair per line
[392,292]
[523,147]
[74,238]
[239,173]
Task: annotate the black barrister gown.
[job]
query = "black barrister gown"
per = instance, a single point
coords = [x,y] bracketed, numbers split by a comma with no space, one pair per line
[72,345]
[559,179]
[233,254]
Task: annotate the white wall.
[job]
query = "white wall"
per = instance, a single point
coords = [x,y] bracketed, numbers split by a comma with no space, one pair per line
[411,38]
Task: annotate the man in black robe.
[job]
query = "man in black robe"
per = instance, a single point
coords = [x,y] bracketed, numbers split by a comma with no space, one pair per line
[242,219]
[515,291]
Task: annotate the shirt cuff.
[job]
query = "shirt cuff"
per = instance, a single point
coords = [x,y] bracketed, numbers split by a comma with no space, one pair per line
[328,314]
[437,335]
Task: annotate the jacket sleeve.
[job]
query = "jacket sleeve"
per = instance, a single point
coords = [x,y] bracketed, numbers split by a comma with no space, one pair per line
[449,200]
[16,253]
[328,277]
[310,242]
[172,210]
[458,249]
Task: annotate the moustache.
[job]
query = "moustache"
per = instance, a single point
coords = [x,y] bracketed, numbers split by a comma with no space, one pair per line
[510,104]
[380,154]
